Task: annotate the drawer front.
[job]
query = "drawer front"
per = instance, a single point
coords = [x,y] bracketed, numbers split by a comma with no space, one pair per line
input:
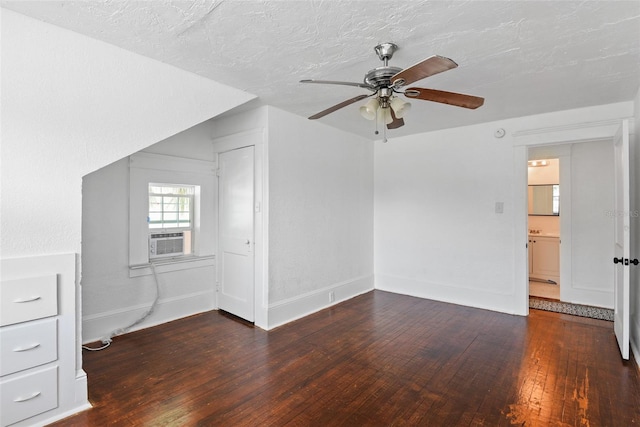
[27,299]
[28,345]
[28,395]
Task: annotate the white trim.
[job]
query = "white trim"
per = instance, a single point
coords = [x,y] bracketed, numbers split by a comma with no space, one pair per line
[566,234]
[59,416]
[494,301]
[574,132]
[590,297]
[168,309]
[239,140]
[303,305]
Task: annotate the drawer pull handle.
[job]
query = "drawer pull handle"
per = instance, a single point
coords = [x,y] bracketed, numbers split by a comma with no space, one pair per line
[24,399]
[31,347]
[21,300]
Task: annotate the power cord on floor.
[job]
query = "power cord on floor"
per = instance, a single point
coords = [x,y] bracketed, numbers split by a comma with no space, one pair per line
[107,340]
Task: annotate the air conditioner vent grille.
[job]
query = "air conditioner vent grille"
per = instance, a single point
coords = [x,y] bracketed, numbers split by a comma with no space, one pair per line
[166,244]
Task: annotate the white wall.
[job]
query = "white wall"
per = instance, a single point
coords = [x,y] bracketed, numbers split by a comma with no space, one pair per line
[437,232]
[70,105]
[320,216]
[113,295]
[193,143]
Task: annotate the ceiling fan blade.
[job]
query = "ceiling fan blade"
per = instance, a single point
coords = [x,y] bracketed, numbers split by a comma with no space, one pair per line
[432,65]
[451,98]
[397,122]
[338,106]
[331,82]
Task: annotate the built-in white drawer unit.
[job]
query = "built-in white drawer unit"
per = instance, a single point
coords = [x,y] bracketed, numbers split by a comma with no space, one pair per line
[28,395]
[28,299]
[28,345]
[40,381]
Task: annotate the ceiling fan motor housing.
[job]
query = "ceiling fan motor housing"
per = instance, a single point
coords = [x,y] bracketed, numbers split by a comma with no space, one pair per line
[381,76]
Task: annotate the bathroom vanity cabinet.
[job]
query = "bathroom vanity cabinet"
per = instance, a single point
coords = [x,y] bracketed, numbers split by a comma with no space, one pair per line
[544,258]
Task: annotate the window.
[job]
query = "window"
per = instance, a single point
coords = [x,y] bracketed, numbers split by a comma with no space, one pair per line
[556,199]
[170,206]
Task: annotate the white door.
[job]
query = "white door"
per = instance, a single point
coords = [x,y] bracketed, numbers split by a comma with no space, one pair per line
[236,260]
[621,216]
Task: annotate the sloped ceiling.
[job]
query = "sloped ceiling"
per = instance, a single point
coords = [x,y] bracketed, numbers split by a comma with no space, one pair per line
[523,57]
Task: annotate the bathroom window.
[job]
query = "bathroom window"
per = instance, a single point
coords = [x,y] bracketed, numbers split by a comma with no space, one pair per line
[170,206]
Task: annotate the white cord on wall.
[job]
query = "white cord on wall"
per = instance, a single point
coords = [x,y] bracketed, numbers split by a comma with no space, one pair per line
[107,341]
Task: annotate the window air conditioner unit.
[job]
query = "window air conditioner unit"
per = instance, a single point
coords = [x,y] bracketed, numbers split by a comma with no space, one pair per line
[162,245]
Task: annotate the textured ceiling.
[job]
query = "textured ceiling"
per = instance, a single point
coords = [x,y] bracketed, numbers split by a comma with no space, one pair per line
[523,57]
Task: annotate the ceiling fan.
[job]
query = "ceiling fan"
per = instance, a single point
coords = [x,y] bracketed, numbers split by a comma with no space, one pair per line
[387,81]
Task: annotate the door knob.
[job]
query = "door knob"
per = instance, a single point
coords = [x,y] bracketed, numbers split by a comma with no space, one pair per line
[634,261]
[248,242]
[618,260]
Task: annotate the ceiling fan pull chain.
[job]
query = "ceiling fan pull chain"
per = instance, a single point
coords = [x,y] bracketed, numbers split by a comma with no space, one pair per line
[384,134]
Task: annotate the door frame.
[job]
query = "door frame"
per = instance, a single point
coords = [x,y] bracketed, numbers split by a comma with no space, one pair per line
[523,140]
[255,138]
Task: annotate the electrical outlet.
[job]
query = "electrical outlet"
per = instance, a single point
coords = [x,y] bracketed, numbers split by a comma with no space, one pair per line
[332,296]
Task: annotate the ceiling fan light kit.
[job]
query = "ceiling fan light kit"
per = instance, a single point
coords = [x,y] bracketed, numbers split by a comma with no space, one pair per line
[399,106]
[386,81]
[369,110]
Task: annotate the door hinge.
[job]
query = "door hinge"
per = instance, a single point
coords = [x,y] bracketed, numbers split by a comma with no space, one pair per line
[626,261]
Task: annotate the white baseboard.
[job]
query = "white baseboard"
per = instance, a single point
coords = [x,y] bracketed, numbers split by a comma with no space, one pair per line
[594,298]
[454,295]
[95,327]
[302,305]
[59,416]
[81,402]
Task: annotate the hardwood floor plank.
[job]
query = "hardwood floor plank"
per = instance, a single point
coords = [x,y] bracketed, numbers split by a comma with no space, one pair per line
[380,359]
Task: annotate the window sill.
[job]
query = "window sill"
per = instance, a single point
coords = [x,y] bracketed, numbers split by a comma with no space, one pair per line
[172,264]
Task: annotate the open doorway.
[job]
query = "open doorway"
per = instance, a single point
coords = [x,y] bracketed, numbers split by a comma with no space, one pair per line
[584,227]
[543,192]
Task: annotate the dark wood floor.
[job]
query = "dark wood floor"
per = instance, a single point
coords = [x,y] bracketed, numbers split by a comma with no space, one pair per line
[377,360]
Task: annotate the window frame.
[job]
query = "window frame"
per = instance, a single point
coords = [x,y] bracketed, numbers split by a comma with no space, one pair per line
[145,168]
